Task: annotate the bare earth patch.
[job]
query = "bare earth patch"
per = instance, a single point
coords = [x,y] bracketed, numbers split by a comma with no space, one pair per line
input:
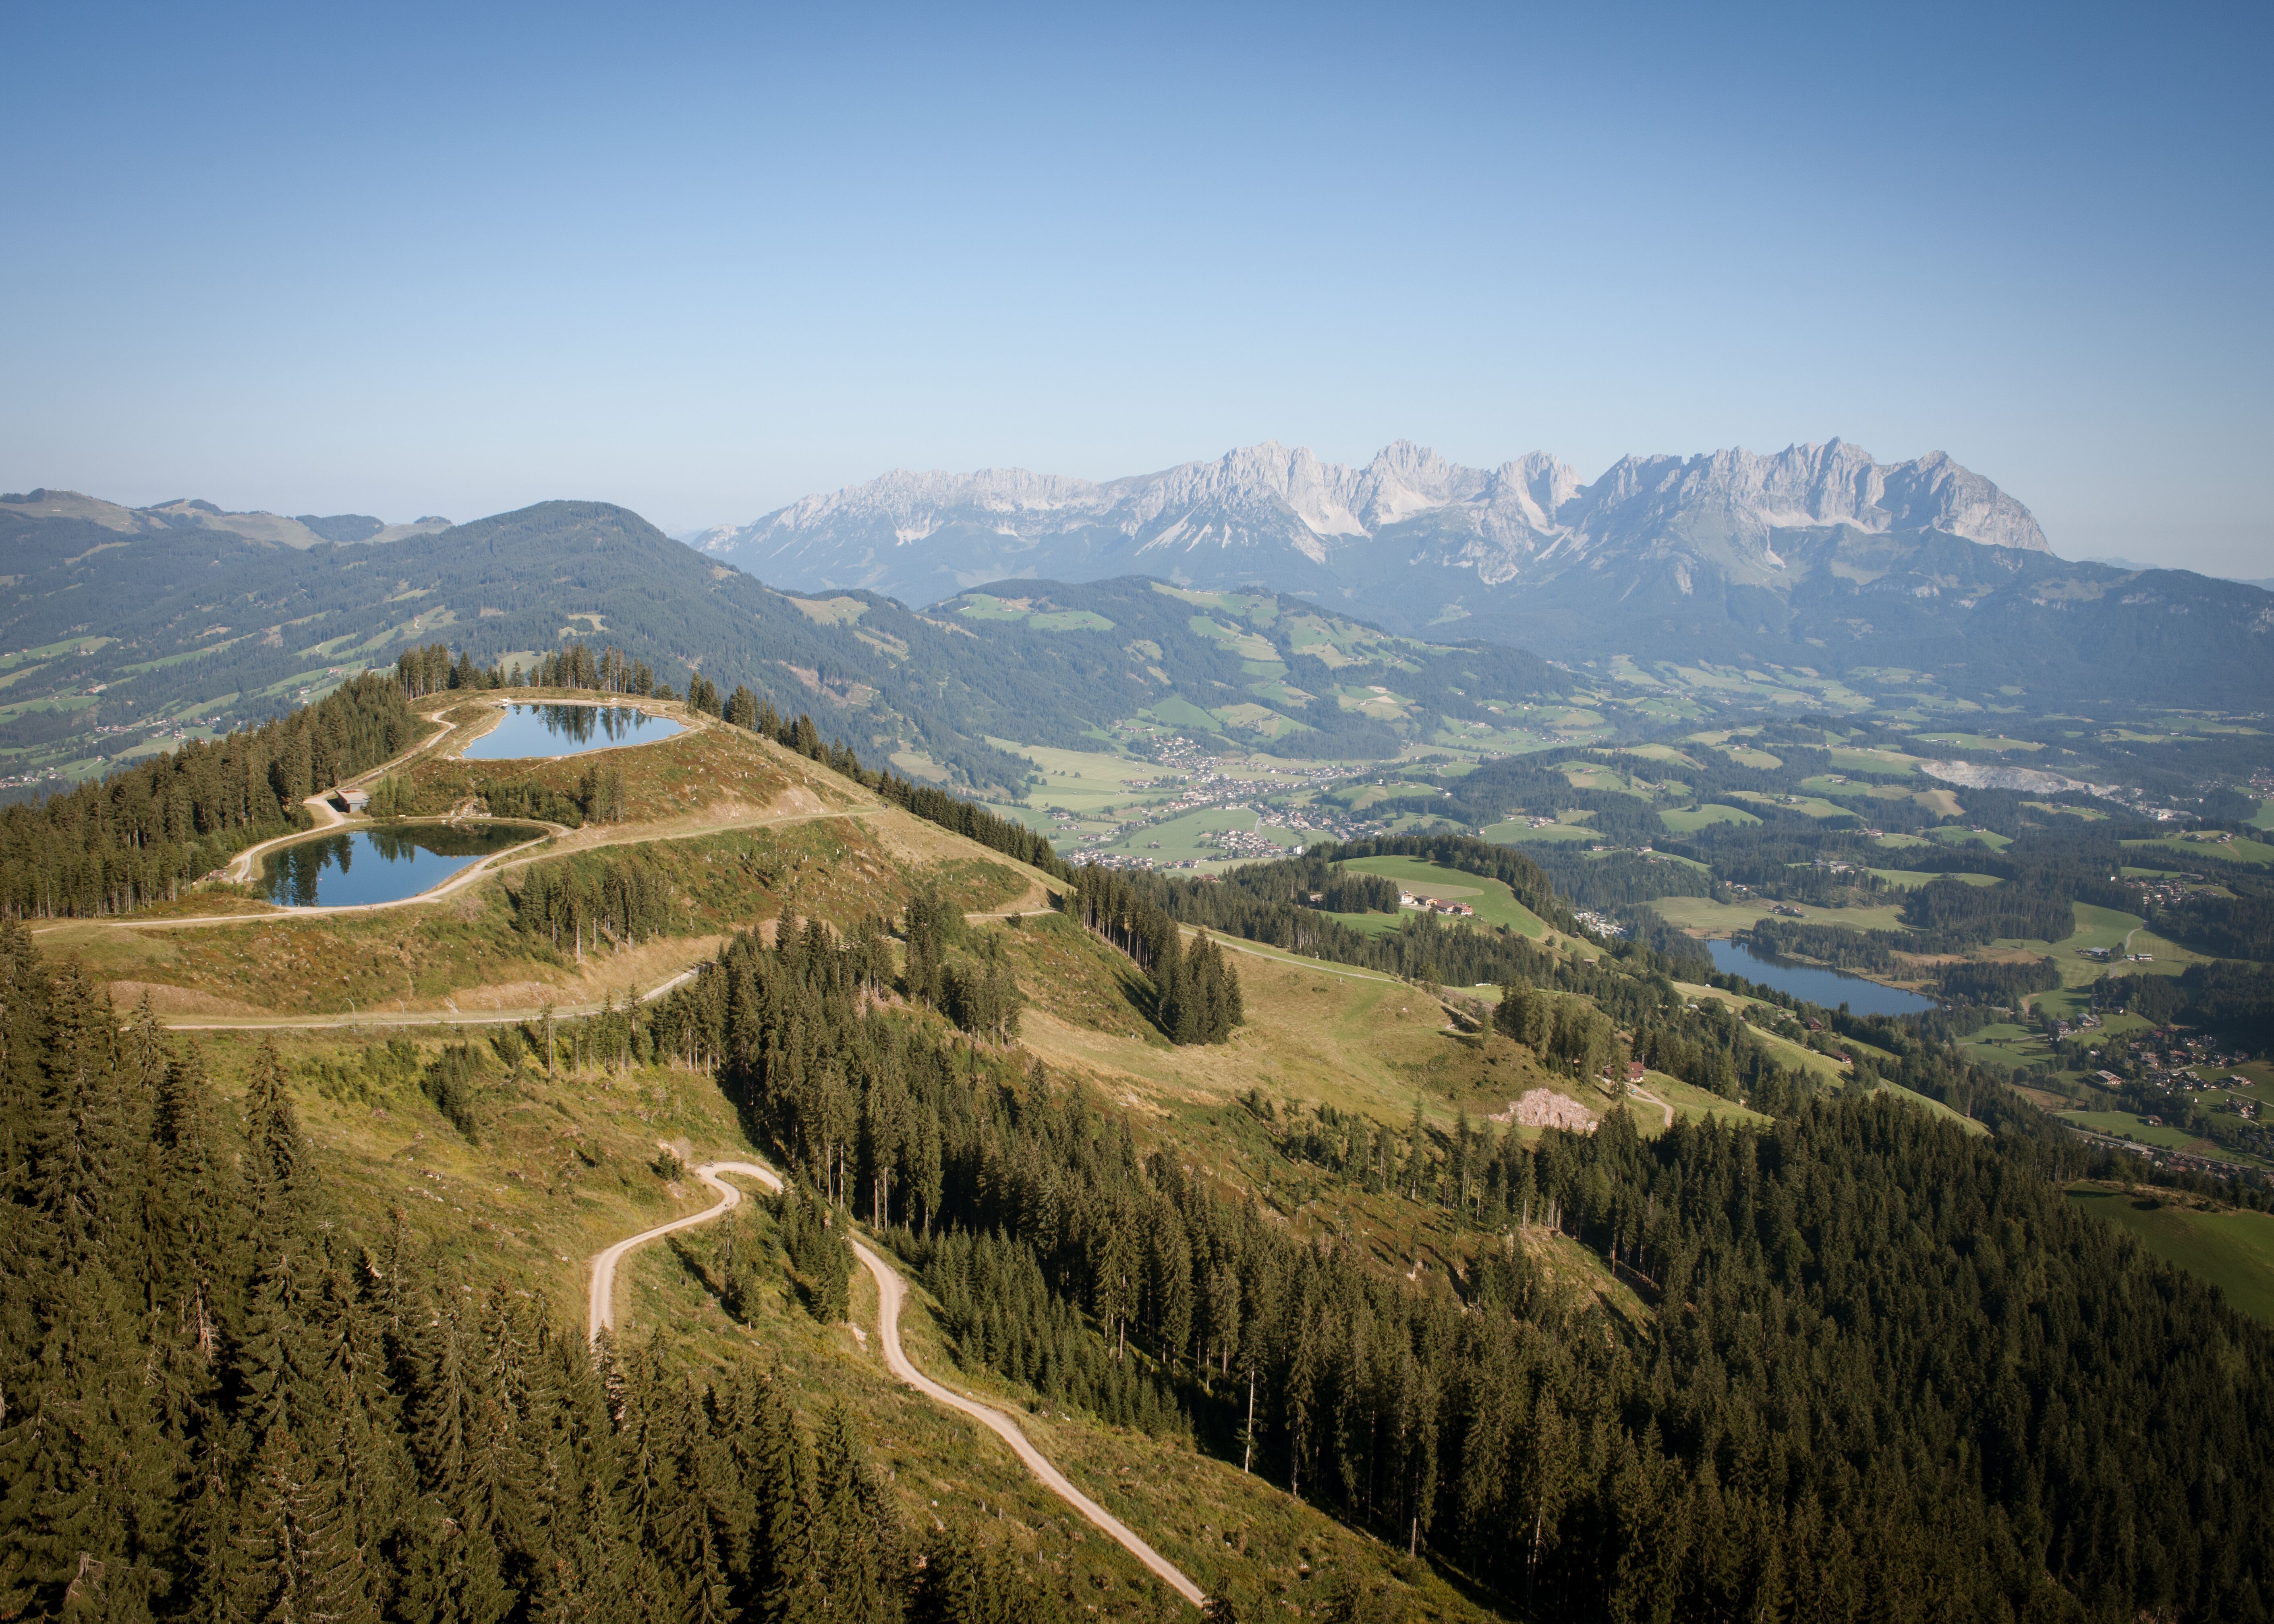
[1544,1108]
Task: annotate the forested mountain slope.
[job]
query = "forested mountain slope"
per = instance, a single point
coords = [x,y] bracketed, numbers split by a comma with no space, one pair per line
[1849,1362]
[138,634]
[233,1395]
[116,641]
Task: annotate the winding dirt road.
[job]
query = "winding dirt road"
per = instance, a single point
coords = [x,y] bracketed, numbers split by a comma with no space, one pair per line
[1651,1099]
[601,1301]
[891,1292]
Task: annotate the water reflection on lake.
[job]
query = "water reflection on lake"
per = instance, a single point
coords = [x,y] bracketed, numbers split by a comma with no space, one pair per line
[567,730]
[1814,982]
[356,868]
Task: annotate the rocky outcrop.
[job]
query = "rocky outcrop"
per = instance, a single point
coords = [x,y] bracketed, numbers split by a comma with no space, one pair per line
[1818,557]
[1544,1108]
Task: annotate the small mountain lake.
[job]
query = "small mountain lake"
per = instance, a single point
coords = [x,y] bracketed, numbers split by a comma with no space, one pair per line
[1814,982]
[356,867]
[533,731]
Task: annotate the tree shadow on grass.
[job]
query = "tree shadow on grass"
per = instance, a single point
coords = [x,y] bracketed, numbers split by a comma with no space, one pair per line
[695,1262]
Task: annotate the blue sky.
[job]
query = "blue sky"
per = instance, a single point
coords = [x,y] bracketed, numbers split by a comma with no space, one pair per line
[701,261]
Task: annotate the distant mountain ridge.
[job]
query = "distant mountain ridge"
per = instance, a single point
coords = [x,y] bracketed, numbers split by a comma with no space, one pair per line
[300,531]
[1816,556]
[1281,517]
[118,638]
[2115,561]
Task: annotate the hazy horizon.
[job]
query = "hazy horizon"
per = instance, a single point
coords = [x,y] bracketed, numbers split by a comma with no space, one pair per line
[701,263]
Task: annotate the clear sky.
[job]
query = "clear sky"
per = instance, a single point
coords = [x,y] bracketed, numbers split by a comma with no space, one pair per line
[701,261]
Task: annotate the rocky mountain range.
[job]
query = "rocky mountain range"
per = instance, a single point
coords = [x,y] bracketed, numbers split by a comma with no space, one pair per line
[1417,539]
[1817,555]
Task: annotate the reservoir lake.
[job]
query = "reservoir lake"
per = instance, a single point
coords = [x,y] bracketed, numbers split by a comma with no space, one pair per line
[356,867]
[533,730]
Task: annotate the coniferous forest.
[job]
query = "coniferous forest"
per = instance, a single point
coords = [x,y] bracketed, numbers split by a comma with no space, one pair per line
[140,835]
[1096,981]
[1888,1372]
[1891,1374]
[222,1404]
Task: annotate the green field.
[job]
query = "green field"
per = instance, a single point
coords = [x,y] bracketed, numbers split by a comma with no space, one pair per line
[980,606]
[1815,806]
[1688,1101]
[1833,786]
[2265,818]
[1872,760]
[1724,918]
[1979,741]
[1082,781]
[2096,927]
[1689,820]
[1659,753]
[2128,1125]
[2118,932]
[1179,838]
[2232,1251]
[1951,834]
[1517,831]
[2195,854]
[2005,1046]
[1495,903]
[1910,879]
[1178,711]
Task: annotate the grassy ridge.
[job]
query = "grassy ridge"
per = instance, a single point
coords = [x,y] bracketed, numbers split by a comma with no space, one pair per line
[1495,903]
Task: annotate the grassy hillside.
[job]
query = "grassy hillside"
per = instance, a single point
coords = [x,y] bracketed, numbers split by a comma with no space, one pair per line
[731,825]
[533,1166]
[117,643]
[1368,1137]
[546,1163]
[2233,1251]
[1493,902]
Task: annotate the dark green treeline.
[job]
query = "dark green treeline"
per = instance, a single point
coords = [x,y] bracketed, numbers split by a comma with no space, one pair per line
[429,670]
[574,901]
[1270,902]
[1891,1374]
[222,1404]
[1197,990]
[140,835]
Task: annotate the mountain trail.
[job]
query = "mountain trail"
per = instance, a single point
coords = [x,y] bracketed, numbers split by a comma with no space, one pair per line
[891,1292]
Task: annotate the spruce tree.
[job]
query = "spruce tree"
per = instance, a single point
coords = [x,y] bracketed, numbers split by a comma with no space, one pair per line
[859,1543]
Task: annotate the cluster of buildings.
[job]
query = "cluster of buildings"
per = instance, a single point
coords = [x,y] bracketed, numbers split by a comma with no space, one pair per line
[2165,1060]
[2155,1156]
[1248,843]
[1435,904]
[2168,891]
[1201,785]
[1127,860]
